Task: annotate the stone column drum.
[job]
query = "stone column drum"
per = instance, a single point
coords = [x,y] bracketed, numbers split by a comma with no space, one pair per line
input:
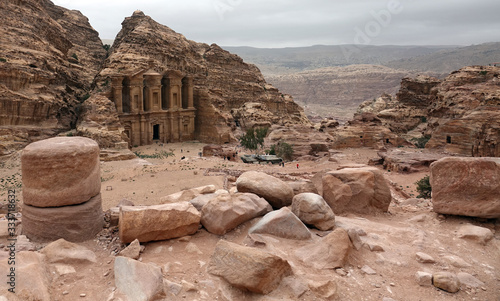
[61,189]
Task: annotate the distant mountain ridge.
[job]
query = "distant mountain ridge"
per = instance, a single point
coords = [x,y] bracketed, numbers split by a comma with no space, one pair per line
[439,60]
[331,81]
[446,61]
[280,61]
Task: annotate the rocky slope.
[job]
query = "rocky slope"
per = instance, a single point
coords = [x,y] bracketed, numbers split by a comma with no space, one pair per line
[338,91]
[48,59]
[223,82]
[460,113]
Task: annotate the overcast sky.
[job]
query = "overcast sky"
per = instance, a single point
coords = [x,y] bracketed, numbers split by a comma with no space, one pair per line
[292,23]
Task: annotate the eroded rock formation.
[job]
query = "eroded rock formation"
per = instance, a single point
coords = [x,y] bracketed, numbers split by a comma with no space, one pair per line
[223,83]
[48,59]
[460,114]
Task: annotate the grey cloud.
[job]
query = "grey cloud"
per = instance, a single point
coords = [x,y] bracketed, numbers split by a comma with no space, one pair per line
[283,23]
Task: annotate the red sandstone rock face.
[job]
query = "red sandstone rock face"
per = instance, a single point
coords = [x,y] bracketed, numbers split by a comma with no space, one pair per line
[223,82]
[48,59]
[99,120]
[466,186]
[460,112]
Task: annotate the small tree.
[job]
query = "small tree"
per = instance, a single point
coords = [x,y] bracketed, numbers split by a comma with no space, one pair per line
[283,150]
[424,188]
[253,138]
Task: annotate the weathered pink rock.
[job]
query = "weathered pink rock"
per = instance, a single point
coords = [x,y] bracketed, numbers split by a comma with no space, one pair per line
[466,186]
[32,278]
[313,210]
[282,223]
[226,212]
[60,171]
[159,222]
[137,280]
[356,190]
[446,281]
[274,190]
[73,223]
[248,268]
[329,253]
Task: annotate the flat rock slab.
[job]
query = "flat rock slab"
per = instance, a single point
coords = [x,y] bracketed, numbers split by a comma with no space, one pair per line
[188,194]
[159,222]
[466,186]
[282,223]
[356,190]
[248,268]
[226,212]
[274,190]
[405,161]
[330,252]
[60,171]
[32,278]
[138,281]
[73,223]
[475,233]
[62,251]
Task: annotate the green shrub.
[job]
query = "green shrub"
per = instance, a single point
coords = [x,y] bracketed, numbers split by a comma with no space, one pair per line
[483,73]
[421,142]
[282,150]
[253,138]
[424,188]
[75,56]
[3,59]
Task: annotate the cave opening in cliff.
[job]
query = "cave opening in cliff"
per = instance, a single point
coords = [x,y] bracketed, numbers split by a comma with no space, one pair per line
[156,132]
[448,139]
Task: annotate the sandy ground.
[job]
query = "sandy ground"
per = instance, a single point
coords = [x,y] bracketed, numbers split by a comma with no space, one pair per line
[145,181]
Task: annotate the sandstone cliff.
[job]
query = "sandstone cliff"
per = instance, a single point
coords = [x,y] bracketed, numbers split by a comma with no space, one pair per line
[460,113]
[223,83]
[48,59]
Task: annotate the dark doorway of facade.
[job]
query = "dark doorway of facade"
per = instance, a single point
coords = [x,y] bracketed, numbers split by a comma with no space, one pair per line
[156,132]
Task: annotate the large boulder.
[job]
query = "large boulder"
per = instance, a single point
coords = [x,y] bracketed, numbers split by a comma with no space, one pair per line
[356,190]
[466,186]
[330,252]
[248,268]
[274,190]
[313,210]
[226,212]
[159,222]
[60,171]
[303,186]
[73,223]
[282,223]
[138,281]
[201,200]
